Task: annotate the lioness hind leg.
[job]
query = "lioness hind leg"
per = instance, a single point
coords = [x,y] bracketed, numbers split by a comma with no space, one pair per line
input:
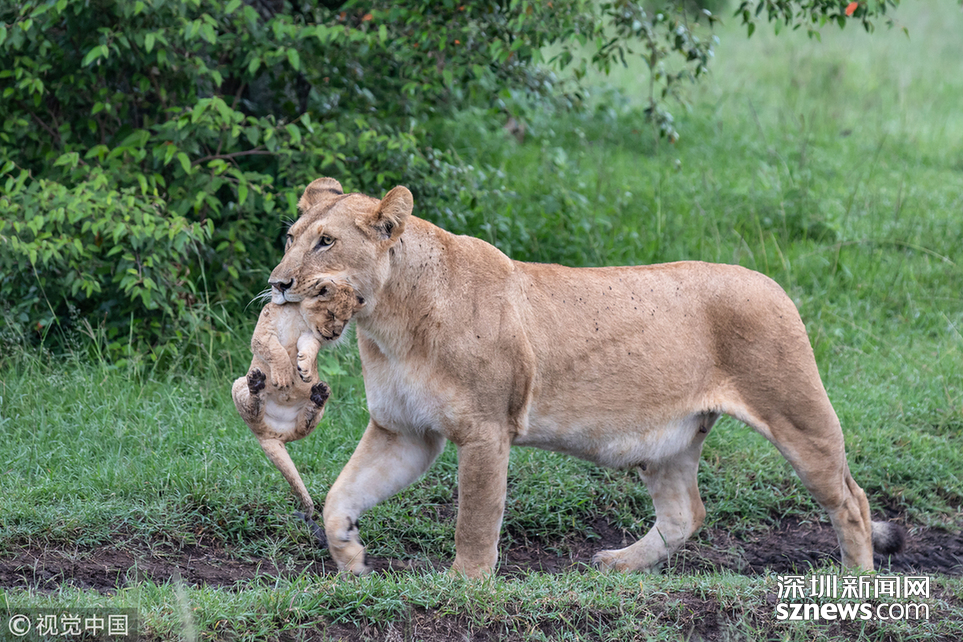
[813,445]
[679,511]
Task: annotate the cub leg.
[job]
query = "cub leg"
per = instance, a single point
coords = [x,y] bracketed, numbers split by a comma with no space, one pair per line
[311,412]
[278,454]
[269,349]
[248,400]
[307,360]
[383,463]
[482,484]
[679,511]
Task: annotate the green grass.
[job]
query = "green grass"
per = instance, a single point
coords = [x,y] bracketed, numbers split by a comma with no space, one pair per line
[834,167]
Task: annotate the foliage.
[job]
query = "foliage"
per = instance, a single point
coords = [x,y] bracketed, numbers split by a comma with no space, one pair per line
[147,144]
[171,137]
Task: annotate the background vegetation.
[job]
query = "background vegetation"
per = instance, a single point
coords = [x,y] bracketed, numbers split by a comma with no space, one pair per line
[833,165]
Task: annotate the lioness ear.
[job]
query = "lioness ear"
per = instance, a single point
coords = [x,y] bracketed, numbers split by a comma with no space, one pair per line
[320,190]
[388,222]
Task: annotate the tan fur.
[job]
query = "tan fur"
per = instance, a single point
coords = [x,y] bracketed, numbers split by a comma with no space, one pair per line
[625,366]
[278,398]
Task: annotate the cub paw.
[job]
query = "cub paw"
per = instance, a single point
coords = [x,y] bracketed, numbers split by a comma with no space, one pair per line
[281,380]
[255,381]
[304,371]
[320,393]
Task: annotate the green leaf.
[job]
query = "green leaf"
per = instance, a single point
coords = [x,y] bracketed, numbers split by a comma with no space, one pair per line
[295,133]
[185,162]
[93,55]
[207,33]
[241,193]
[232,7]
[70,158]
[252,66]
[149,41]
[294,59]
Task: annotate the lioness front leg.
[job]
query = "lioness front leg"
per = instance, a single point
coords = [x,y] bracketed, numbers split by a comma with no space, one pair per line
[482,485]
[383,463]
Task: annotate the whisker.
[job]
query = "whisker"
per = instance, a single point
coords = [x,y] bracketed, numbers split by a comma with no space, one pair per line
[263,296]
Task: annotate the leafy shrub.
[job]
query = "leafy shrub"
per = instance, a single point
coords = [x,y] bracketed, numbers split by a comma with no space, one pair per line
[150,150]
[145,144]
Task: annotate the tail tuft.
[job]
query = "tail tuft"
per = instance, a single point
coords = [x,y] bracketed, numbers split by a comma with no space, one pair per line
[888,538]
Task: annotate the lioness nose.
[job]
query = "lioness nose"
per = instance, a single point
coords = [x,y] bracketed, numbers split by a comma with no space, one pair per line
[281,286]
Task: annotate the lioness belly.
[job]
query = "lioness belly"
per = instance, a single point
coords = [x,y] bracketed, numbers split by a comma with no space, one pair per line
[615,445]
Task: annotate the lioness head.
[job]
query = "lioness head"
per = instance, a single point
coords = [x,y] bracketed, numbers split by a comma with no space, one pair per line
[346,237]
[328,312]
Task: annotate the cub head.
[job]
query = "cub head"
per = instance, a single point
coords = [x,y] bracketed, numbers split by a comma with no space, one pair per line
[338,235]
[328,312]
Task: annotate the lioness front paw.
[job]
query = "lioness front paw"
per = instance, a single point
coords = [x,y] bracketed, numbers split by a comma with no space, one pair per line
[345,547]
[255,381]
[320,393]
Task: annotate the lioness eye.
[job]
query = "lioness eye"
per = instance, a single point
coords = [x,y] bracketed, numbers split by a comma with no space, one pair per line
[288,241]
[324,241]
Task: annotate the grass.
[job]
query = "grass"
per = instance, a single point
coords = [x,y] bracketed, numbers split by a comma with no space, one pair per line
[834,167]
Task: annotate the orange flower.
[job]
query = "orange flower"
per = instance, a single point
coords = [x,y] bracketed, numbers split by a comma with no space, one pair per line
[366,17]
[851,9]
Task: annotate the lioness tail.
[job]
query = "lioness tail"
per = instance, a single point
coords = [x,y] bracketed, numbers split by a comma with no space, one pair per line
[888,538]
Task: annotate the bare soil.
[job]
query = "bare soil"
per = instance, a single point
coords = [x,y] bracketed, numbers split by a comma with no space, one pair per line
[790,547]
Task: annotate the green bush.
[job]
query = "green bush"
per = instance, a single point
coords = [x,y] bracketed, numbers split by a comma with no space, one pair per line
[147,144]
[151,150]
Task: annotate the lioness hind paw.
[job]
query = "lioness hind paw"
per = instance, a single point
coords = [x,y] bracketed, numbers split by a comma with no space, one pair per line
[255,381]
[320,393]
[610,561]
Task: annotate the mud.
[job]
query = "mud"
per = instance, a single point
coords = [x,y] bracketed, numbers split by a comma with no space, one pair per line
[792,546]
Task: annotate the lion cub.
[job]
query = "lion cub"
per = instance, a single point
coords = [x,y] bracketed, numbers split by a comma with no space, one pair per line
[276,398]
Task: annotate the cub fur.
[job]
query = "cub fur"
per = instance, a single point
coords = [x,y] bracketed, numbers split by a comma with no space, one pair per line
[628,367]
[277,399]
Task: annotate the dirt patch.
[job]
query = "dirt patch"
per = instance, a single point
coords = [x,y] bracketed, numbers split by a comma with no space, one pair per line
[107,568]
[792,546]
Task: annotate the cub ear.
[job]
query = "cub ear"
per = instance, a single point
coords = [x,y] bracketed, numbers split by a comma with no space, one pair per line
[320,190]
[388,222]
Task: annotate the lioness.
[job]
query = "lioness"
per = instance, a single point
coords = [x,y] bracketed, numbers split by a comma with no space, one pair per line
[625,366]
[276,405]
